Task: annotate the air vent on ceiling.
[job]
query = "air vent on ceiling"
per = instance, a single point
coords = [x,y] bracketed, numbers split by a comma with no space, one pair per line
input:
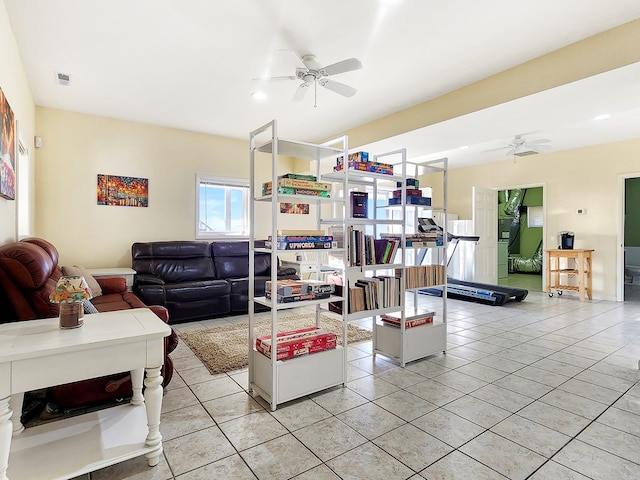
[63,79]
[526,153]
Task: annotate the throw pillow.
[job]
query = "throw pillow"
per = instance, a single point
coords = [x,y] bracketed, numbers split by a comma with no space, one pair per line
[92,283]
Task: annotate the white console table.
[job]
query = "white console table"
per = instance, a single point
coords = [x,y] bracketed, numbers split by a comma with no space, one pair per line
[37,353]
[127,273]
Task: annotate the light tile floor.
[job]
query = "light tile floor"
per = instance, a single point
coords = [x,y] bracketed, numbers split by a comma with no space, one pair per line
[542,389]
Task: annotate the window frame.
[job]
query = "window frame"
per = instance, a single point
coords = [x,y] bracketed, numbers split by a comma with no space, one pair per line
[223,182]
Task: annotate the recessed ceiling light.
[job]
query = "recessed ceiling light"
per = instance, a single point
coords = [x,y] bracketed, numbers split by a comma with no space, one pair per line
[464,147]
[259,96]
[604,116]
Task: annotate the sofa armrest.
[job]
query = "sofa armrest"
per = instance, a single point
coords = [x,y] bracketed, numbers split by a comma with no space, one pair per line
[161,312]
[112,284]
[145,279]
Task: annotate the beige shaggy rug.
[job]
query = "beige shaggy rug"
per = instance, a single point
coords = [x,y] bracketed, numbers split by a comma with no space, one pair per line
[223,349]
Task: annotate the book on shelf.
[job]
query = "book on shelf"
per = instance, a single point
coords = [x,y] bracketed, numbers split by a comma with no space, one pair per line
[299,287]
[298,298]
[410,321]
[359,202]
[424,276]
[370,293]
[368,250]
[410,192]
[426,201]
[298,191]
[370,167]
[299,176]
[302,238]
[300,245]
[353,157]
[410,182]
[297,183]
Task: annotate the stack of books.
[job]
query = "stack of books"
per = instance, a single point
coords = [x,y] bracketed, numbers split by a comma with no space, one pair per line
[428,239]
[413,193]
[301,240]
[295,184]
[410,321]
[288,291]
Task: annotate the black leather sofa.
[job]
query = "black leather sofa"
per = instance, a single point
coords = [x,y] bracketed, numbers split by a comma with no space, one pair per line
[196,279]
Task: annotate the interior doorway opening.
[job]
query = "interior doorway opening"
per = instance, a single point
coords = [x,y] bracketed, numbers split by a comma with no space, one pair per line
[631,242]
[520,237]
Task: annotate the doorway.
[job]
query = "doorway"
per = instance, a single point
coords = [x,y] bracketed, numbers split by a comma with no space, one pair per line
[631,240]
[520,237]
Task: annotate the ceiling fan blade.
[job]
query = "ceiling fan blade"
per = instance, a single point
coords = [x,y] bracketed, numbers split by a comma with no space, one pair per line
[338,87]
[310,62]
[283,77]
[537,148]
[538,140]
[498,148]
[343,66]
[302,89]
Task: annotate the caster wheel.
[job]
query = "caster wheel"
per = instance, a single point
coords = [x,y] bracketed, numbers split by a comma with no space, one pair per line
[550,294]
[560,293]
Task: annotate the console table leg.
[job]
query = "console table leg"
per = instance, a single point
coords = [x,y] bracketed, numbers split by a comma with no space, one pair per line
[16,406]
[6,429]
[136,384]
[153,404]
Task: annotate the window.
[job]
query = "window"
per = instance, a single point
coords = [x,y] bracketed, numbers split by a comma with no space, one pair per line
[222,207]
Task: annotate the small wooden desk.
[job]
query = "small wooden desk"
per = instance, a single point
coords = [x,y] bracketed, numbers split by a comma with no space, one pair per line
[37,353]
[554,271]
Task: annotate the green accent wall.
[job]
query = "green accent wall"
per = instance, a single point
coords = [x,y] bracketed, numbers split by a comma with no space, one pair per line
[632,212]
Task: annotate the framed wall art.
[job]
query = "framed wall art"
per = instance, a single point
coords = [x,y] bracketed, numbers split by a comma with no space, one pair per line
[123,191]
[7,150]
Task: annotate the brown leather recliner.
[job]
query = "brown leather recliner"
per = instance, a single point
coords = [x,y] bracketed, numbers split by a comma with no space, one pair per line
[29,271]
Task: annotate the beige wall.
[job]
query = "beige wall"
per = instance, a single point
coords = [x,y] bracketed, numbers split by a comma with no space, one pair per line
[16,89]
[77,147]
[581,178]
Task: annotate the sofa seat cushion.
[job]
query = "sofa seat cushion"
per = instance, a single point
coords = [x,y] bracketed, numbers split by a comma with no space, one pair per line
[193,291]
[117,301]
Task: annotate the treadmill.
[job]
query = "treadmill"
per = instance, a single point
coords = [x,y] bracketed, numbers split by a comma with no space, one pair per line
[484,293]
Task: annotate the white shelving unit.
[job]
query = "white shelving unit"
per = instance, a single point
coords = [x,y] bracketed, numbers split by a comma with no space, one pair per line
[400,344]
[408,344]
[279,381]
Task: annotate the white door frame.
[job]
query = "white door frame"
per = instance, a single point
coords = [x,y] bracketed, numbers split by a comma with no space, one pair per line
[544,220]
[620,237]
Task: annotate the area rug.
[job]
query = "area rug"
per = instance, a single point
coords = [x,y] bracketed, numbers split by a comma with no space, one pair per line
[222,349]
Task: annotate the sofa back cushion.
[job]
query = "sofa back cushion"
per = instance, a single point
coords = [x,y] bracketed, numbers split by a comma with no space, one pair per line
[28,274]
[231,260]
[175,261]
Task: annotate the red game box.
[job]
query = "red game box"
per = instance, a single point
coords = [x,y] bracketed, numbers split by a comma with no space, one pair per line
[297,342]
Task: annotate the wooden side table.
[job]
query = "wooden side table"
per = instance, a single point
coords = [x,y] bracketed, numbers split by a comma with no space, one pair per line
[37,353]
[555,272]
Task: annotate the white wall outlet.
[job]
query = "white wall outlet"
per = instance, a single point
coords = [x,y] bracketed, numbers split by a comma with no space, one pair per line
[38,142]
[581,211]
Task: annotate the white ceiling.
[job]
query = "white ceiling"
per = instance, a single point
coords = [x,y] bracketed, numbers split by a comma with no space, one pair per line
[189,64]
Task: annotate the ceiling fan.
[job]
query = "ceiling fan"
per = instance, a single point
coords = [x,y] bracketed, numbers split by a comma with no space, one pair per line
[522,147]
[313,74]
